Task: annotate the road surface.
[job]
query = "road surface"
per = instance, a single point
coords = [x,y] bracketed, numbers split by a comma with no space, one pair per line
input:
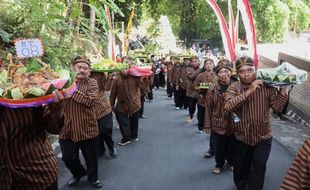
[169,156]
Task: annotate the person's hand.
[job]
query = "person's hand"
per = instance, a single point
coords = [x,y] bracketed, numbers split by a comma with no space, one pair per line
[284,91]
[57,108]
[110,76]
[257,84]
[177,87]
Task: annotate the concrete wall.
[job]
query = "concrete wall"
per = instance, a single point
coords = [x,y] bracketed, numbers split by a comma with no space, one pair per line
[300,95]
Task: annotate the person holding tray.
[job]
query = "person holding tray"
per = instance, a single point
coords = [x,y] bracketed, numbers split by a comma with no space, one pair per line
[169,63]
[176,74]
[250,102]
[181,83]
[127,90]
[206,76]
[80,129]
[191,93]
[217,121]
[27,160]
[103,112]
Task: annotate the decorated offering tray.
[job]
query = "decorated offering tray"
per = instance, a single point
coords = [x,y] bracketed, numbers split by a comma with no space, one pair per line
[107,65]
[31,84]
[283,75]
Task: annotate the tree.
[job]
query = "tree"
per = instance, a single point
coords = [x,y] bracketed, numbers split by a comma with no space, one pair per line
[65,27]
[271,19]
[299,15]
[127,6]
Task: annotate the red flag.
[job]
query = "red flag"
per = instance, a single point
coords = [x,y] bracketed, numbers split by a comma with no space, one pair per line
[247,17]
[227,42]
[231,24]
[237,28]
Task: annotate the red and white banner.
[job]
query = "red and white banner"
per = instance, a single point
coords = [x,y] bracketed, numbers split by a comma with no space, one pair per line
[231,25]
[247,17]
[237,27]
[111,45]
[227,42]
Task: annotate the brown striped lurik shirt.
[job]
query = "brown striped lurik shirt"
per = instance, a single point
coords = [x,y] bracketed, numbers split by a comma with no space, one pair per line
[27,161]
[208,77]
[145,90]
[80,118]
[254,112]
[176,73]
[102,107]
[181,82]
[191,75]
[169,70]
[298,176]
[153,74]
[216,118]
[127,91]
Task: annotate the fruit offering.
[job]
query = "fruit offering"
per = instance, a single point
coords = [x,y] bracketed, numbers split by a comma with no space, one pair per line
[283,75]
[143,65]
[107,65]
[139,71]
[33,84]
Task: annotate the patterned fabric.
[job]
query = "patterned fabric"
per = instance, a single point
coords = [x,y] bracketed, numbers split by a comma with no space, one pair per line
[254,112]
[27,161]
[127,91]
[182,78]
[80,118]
[102,106]
[217,119]
[191,75]
[203,77]
[298,176]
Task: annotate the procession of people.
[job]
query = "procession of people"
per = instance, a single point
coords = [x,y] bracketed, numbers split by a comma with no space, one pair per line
[235,112]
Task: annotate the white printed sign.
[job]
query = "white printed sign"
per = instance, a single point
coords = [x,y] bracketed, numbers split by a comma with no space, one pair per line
[26,48]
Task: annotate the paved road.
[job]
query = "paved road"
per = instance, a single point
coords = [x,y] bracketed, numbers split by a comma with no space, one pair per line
[169,157]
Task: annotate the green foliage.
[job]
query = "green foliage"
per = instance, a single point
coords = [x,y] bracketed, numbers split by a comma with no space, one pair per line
[208,25]
[273,18]
[127,6]
[63,26]
[274,22]
[152,48]
[299,15]
[33,66]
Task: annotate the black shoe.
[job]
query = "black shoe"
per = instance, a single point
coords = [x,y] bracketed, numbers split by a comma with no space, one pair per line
[283,118]
[135,140]
[101,153]
[235,187]
[142,117]
[75,180]
[112,152]
[97,184]
[124,143]
[209,154]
